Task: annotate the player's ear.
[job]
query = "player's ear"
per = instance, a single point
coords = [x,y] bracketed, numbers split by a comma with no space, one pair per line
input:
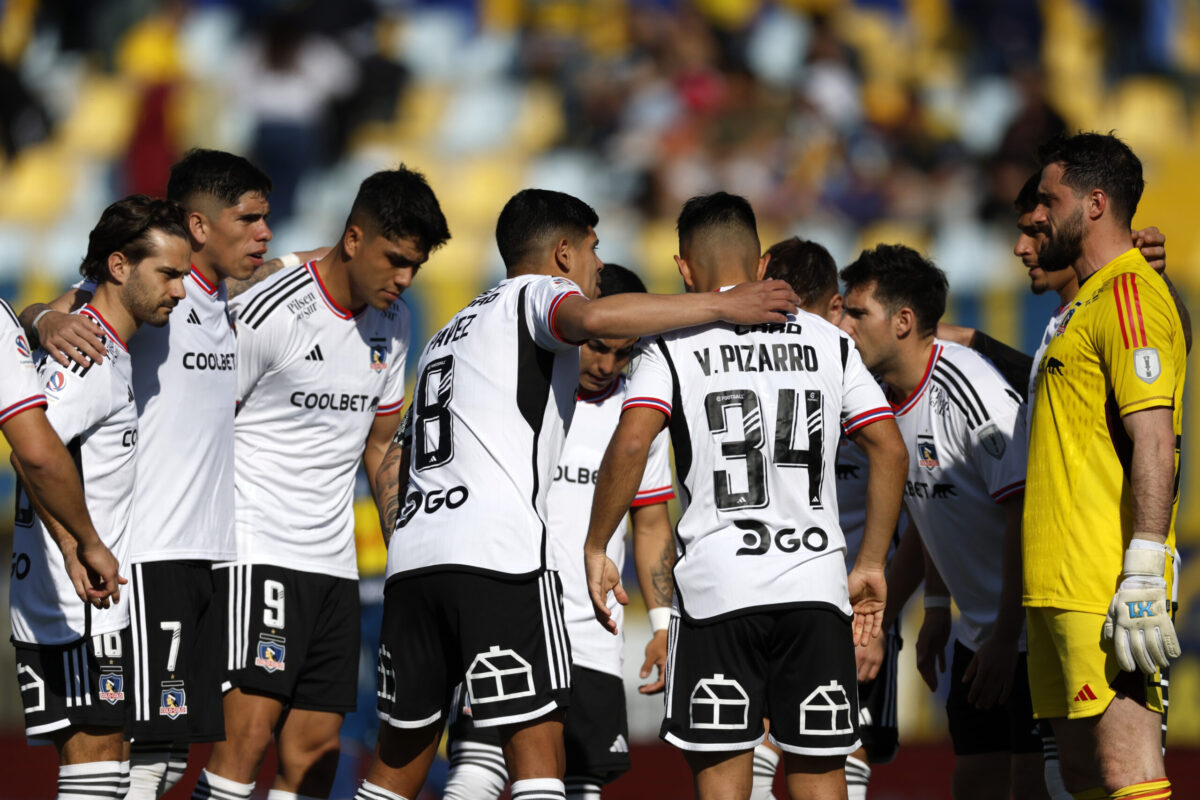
[904,322]
[118,266]
[686,272]
[352,240]
[563,253]
[1097,204]
[834,311]
[197,225]
[763,260]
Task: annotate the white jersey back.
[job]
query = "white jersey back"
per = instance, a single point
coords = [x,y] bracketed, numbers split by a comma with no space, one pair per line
[963,460]
[495,391]
[569,507]
[185,379]
[755,415]
[92,409]
[312,377]
[20,388]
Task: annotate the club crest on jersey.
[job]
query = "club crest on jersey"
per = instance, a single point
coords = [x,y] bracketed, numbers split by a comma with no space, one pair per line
[992,440]
[378,357]
[1146,364]
[23,347]
[927,455]
[174,700]
[112,687]
[1062,324]
[56,383]
[271,653]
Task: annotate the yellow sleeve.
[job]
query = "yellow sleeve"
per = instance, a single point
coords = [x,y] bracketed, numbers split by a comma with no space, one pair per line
[1134,334]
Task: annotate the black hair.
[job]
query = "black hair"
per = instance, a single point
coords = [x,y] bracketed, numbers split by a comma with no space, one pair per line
[398,203]
[806,266]
[217,174]
[1098,161]
[902,278]
[532,218]
[1027,198]
[125,227]
[719,209]
[615,279]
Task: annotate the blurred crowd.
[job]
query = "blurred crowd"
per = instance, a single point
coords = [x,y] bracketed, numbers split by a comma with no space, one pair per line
[913,120]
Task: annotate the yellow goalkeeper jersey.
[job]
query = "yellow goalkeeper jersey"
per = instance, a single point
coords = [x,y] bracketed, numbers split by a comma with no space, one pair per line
[1117,350]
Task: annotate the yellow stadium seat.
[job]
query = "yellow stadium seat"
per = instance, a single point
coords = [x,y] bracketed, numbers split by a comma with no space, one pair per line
[35,188]
[102,121]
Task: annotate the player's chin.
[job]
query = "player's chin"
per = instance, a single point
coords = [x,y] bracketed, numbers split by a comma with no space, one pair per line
[159,317]
[385,299]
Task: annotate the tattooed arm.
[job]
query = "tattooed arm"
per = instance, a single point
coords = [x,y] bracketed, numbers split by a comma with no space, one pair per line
[654,557]
[269,268]
[391,479]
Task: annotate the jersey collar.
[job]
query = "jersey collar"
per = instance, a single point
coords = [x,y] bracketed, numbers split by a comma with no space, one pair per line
[599,397]
[337,310]
[90,311]
[202,282]
[911,400]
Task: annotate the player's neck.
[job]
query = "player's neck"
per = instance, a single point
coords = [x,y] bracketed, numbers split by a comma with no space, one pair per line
[1067,293]
[713,280]
[334,272]
[107,302]
[1101,246]
[207,268]
[905,374]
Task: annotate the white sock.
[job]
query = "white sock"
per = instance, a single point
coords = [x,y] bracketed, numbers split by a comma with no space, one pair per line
[539,789]
[96,780]
[123,786]
[584,787]
[1051,771]
[279,794]
[176,765]
[858,775]
[213,787]
[369,791]
[147,770]
[477,772]
[766,761]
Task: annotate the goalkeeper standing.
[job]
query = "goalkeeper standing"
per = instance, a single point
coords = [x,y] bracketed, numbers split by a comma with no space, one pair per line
[1102,483]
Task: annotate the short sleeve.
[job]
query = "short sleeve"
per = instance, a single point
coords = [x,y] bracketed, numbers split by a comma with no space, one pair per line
[392,399]
[656,486]
[543,296]
[77,397]
[862,398]
[254,357]
[1134,336]
[998,446]
[20,388]
[650,381]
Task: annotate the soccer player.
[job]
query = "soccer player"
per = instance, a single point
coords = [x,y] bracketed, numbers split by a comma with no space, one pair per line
[49,473]
[185,379]
[1109,385]
[320,361]
[811,272]
[595,732]
[472,595]
[73,658]
[963,491]
[764,605]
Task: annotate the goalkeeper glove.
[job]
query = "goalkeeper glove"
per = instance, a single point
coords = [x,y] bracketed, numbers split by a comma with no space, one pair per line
[1138,622]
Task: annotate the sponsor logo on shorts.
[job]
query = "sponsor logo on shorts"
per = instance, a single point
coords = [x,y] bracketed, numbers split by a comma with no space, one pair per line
[498,675]
[826,711]
[174,700]
[1085,694]
[619,745]
[271,653]
[719,703]
[112,687]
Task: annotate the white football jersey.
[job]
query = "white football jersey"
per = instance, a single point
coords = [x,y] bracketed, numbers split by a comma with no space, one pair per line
[569,508]
[92,409]
[20,388]
[495,391]
[185,380]
[312,377]
[755,413]
[963,460]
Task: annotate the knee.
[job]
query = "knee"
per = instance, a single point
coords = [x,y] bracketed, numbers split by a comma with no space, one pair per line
[247,738]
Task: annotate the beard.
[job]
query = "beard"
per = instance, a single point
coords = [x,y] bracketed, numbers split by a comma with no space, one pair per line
[1063,247]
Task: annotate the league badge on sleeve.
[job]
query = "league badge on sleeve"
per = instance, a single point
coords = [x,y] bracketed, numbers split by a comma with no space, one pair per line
[1146,364]
[271,653]
[23,347]
[112,687]
[174,700]
[57,381]
[992,440]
